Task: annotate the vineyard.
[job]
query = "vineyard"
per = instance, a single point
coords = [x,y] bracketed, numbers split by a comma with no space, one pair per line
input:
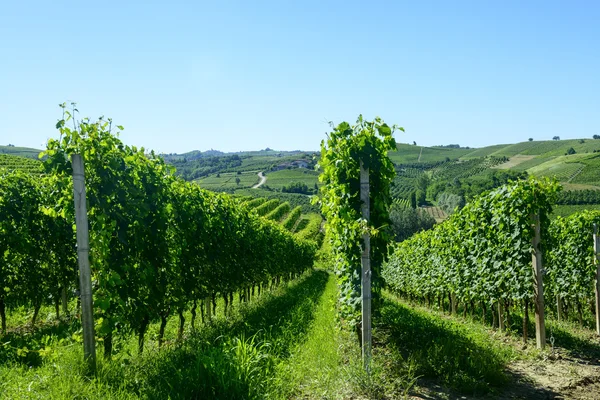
[159,245]
[183,276]
[228,181]
[19,163]
[481,256]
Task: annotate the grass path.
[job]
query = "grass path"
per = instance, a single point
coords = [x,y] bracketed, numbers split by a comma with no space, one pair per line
[316,368]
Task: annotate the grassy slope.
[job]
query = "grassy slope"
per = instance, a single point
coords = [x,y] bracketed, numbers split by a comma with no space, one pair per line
[226,180]
[20,151]
[279,179]
[407,153]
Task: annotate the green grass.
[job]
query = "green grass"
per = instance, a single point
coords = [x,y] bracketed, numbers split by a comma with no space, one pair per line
[534,162]
[566,210]
[484,151]
[234,357]
[278,179]
[514,149]
[316,367]
[410,154]
[560,170]
[551,148]
[20,151]
[264,161]
[227,181]
[459,354]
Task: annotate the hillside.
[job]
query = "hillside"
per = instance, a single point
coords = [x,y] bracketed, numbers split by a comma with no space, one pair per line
[463,171]
[430,171]
[20,151]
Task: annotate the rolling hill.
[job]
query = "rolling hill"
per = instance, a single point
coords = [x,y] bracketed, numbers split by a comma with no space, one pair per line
[460,170]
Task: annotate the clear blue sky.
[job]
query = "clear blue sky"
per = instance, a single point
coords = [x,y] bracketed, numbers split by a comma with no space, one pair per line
[245,75]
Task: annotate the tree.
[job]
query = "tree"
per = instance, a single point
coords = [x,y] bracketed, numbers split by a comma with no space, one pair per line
[556,138]
[596,136]
[570,151]
[237,180]
[531,139]
[408,221]
[296,187]
[414,143]
[423,182]
[421,198]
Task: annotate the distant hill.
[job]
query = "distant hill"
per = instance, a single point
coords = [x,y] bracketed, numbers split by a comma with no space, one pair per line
[450,169]
[20,151]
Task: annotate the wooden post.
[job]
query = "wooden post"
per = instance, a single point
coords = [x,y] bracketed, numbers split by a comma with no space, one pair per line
[597,262]
[559,309]
[366,271]
[500,317]
[208,309]
[85,276]
[536,260]
[454,303]
[65,304]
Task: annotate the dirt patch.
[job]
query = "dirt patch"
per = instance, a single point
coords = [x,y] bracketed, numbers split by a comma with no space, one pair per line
[436,212]
[558,378]
[539,379]
[513,162]
[562,373]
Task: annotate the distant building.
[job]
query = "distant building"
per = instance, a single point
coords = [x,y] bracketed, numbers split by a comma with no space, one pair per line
[293,164]
[282,166]
[300,164]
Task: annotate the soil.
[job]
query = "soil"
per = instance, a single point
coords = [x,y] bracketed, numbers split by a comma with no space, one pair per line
[560,374]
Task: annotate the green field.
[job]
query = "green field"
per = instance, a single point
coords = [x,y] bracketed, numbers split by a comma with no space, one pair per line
[484,151]
[278,179]
[227,181]
[20,151]
[566,210]
[407,153]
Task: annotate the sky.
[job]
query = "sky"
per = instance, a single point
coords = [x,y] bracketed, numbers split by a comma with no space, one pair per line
[246,75]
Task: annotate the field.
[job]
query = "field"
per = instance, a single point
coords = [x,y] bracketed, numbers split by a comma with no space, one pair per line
[484,151]
[13,162]
[514,162]
[566,210]
[436,212]
[227,181]
[20,151]
[278,179]
[411,154]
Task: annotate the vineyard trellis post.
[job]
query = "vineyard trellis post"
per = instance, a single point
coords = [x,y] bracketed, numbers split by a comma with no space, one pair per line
[597,263]
[85,277]
[540,326]
[366,270]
